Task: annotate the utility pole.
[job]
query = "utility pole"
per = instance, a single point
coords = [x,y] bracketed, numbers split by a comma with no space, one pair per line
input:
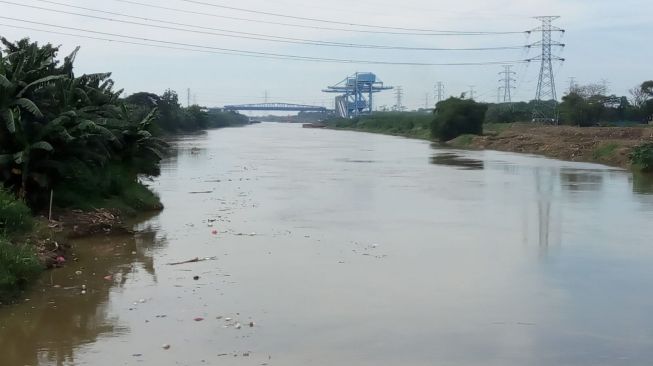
[187,97]
[439,90]
[266,97]
[546,90]
[471,91]
[399,94]
[507,80]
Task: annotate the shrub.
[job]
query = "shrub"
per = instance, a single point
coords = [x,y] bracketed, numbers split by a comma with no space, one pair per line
[455,117]
[15,216]
[18,265]
[642,157]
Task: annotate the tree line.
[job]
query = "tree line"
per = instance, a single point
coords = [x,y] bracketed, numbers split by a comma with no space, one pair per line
[584,105]
[77,136]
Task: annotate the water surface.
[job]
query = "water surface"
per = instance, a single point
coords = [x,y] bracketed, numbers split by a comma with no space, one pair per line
[348,248]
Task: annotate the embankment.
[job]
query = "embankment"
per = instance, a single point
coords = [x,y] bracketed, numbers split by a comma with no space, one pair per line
[605,145]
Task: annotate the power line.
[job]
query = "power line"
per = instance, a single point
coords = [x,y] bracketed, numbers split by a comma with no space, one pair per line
[253,36]
[274,55]
[442,33]
[331,21]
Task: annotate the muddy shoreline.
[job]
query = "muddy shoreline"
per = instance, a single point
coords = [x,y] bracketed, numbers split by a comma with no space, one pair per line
[51,237]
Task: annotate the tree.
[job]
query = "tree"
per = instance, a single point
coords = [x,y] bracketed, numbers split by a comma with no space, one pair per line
[457,116]
[55,125]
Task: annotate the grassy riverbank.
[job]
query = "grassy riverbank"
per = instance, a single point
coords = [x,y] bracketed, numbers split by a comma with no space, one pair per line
[407,124]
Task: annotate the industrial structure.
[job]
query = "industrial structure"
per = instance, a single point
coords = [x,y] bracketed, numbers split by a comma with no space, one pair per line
[356,94]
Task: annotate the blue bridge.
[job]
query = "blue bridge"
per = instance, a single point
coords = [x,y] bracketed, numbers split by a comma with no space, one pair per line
[275,107]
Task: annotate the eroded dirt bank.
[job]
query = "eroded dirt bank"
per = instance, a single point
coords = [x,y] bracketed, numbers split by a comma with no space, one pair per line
[605,145]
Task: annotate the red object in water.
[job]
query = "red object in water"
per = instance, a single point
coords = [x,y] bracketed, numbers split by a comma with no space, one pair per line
[61,259]
[214,232]
[198,319]
[108,278]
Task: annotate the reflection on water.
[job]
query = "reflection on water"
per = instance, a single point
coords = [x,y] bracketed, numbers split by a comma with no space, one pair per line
[643,183]
[581,180]
[57,318]
[455,160]
[346,248]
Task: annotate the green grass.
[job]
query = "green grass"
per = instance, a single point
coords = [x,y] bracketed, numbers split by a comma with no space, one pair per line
[19,265]
[642,157]
[462,141]
[114,187]
[15,216]
[605,151]
[408,124]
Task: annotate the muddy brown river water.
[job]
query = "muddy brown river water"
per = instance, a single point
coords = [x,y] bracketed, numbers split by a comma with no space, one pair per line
[346,248]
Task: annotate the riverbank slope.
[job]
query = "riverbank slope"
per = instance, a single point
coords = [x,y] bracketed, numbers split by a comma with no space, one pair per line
[604,145]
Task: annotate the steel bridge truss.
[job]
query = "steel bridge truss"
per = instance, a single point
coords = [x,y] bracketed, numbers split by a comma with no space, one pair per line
[275,107]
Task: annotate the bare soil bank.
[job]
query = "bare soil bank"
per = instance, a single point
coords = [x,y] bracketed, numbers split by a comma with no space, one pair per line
[604,145]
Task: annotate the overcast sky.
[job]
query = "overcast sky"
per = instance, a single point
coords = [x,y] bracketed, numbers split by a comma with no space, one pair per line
[605,40]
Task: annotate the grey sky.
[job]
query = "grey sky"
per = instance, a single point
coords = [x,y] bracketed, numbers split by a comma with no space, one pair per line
[605,40]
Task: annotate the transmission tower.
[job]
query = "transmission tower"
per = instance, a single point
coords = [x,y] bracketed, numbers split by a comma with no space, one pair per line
[399,94]
[439,90]
[188,97]
[544,111]
[572,85]
[471,91]
[507,80]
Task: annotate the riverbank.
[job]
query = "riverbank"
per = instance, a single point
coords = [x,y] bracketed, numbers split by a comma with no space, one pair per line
[604,145]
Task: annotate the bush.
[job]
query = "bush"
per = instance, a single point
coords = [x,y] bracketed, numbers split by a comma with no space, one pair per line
[18,266]
[455,117]
[113,187]
[15,216]
[642,157]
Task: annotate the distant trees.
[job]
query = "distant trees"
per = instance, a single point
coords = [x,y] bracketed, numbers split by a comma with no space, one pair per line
[588,105]
[584,105]
[173,118]
[458,116]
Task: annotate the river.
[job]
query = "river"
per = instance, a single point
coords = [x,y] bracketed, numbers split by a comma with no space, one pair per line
[326,248]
